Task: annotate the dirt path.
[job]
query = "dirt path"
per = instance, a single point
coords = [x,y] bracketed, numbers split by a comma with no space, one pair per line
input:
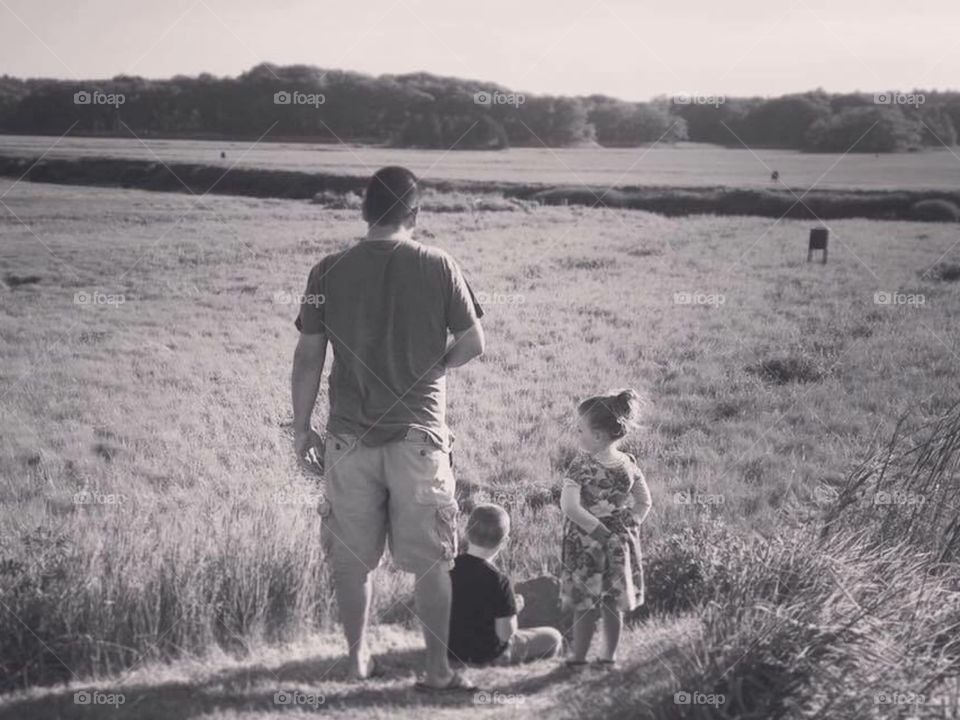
[313,674]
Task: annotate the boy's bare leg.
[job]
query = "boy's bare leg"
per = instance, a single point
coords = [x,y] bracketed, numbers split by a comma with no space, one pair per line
[612,625]
[584,625]
[536,644]
[353,590]
[433,593]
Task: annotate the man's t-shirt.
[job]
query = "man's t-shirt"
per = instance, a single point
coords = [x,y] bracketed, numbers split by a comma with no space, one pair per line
[386,307]
[481,594]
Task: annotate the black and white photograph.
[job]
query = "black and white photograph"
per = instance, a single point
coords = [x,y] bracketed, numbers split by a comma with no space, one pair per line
[420,358]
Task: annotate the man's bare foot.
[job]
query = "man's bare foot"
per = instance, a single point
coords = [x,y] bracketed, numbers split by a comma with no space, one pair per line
[361,666]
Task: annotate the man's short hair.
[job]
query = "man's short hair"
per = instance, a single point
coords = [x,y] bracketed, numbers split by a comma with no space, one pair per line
[488,525]
[392,196]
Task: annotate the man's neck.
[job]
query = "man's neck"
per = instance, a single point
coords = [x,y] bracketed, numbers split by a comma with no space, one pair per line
[482,552]
[396,233]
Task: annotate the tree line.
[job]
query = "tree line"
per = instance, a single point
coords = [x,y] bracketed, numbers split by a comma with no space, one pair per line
[426,111]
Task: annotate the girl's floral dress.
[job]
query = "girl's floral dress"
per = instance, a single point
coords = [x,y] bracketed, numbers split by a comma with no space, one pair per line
[592,571]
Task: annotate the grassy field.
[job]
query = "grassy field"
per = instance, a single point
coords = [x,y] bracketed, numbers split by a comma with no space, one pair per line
[685,164]
[150,506]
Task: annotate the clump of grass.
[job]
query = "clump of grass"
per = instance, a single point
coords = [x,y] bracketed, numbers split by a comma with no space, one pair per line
[793,368]
[585,263]
[13,280]
[943,272]
[935,210]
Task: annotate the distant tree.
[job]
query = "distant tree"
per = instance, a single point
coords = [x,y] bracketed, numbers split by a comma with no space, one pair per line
[782,122]
[423,110]
[864,129]
[937,127]
[624,124]
[715,123]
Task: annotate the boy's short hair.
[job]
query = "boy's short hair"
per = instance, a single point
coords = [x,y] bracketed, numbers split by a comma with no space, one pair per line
[488,525]
[392,196]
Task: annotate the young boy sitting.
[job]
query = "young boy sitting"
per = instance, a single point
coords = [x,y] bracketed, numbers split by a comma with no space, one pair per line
[483,615]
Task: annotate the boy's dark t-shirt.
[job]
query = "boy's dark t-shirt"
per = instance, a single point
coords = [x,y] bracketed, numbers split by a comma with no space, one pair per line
[481,594]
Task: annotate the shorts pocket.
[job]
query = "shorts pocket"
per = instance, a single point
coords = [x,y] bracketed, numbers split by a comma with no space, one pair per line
[435,484]
[333,451]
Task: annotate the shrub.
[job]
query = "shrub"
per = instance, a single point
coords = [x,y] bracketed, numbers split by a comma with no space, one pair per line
[787,369]
[337,201]
[935,210]
[943,272]
[826,624]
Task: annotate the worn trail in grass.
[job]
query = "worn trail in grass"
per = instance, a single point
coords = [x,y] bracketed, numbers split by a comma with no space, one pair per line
[313,673]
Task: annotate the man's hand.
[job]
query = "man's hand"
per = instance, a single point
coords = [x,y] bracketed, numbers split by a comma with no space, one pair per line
[520,602]
[309,447]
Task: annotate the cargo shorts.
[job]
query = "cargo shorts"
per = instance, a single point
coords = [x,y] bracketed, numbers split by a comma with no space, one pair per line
[401,492]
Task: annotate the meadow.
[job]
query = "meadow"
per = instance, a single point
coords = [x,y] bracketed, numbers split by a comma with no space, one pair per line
[680,165]
[151,509]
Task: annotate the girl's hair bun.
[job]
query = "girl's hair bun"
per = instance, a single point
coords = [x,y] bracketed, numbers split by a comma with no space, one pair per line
[615,414]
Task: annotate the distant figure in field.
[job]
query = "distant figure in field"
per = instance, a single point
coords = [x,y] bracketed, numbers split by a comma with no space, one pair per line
[399,316]
[775,175]
[223,155]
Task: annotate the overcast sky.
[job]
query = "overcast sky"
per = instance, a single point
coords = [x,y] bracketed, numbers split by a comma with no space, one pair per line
[631,49]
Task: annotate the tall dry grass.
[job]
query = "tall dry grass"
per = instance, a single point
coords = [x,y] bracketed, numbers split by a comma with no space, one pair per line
[857,616]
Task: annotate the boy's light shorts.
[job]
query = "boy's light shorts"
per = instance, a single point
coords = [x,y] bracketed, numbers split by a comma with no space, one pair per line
[401,490]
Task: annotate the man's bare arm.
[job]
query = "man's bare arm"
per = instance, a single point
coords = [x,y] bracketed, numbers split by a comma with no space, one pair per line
[308,361]
[465,346]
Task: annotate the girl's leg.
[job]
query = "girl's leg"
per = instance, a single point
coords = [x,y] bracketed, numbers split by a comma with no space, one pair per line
[612,625]
[584,625]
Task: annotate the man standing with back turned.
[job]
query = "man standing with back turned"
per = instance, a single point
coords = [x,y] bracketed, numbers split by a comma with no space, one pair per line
[399,315]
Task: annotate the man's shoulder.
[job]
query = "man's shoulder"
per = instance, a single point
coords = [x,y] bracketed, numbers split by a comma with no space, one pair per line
[328,261]
[434,254]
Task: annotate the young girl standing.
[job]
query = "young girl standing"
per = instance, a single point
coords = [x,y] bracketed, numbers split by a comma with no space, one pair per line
[604,499]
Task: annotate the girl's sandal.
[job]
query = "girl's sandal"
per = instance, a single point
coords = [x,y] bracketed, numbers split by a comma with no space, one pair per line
[575,664]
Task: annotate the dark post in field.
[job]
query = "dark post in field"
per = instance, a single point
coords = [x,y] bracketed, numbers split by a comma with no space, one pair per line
[818,241]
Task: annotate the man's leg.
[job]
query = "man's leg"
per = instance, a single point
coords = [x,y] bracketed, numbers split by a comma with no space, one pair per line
[433,595]
[353,527]
[423,539]
[537,643]
[353,589]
